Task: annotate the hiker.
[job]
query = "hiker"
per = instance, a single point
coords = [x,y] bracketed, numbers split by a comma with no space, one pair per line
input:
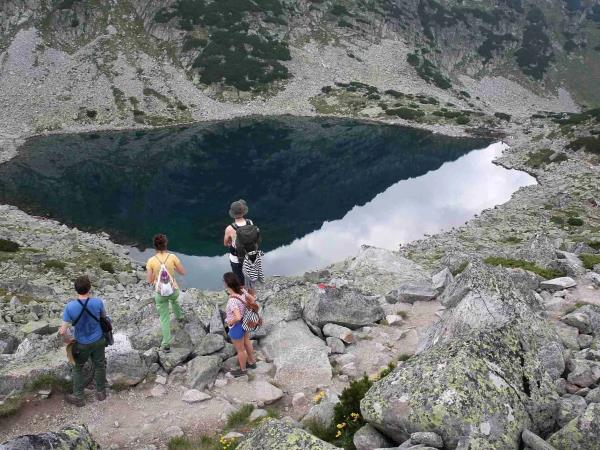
[84,315]
[161,270]
[242,238]
[238,302]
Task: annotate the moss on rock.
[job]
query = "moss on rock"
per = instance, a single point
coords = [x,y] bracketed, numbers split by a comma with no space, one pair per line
[274,434]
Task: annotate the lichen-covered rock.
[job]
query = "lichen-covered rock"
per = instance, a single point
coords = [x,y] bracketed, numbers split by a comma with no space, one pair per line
[569,407]
[581,433]
[210,344]
[411,293]
[368,438]
[274,434]
[342,306]
[586,319]
[487,366]
[8,342]
[124,365]
[75,437]
[202,371]
[534,442]
[322,413]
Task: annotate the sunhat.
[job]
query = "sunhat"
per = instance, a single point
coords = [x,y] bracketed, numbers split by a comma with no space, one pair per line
[238,209]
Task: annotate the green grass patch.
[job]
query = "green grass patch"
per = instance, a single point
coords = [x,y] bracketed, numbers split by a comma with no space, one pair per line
[526,265]
[589,260]
[503,116]
[405,113]
[460,269]
[512,240]
[107,267]
[54,264]
[240,417]
[594,244]
[9,246]
[10,406]
[558,220]
[50,381]
[201,443]
[575,221]
[539,158]
[463,120]
[590,144]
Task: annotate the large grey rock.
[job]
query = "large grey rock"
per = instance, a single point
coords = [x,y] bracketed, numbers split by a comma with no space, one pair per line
[274,434]
[479,376]
[568,336]
[202,371]
[411,293]
[581,433]
[322,413]
[282,301]
[173,358]
[570,406]
[534,442]
[151,336]
[342,306]
[209,344]
[37,327]
[216,322]
[584,373]
[368,438]
[558,284]
[588,318]
[381,271]
[427,438]
[570,264]
[579,320]
[74,437]
[8,342]
[124,365]
[441,280]
[300,357]
[593,396]
[338,331]
[256,392]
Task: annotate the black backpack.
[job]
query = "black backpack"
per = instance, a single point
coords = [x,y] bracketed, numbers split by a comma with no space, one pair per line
[247,239]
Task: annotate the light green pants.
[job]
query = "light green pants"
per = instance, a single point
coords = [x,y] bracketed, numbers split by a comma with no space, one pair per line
[162,306]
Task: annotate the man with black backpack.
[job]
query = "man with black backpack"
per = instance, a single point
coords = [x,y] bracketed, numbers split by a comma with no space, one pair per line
[242,238]
[85,315]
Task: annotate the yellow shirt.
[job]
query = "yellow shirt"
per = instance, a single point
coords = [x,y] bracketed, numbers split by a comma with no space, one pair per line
[169,260]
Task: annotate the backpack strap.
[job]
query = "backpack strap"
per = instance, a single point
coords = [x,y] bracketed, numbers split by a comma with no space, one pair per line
[84,309]
[235,226]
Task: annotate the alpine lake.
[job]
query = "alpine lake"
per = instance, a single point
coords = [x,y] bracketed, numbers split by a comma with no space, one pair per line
[317,188]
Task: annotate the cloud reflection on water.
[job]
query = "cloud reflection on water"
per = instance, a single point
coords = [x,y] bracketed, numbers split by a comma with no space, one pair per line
[406,211]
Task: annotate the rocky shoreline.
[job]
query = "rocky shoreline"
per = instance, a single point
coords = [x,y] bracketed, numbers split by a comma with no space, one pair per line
[437,296]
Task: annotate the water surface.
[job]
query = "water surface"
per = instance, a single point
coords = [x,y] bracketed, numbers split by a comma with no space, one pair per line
[318,188]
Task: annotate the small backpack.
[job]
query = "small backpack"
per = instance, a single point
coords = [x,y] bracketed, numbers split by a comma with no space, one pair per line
[251,320]
[247,239]
[164,282]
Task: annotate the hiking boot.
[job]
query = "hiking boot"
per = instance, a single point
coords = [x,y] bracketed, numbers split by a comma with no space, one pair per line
[238,373]
[101,396]
[74,400]
[182,320]
[251,365]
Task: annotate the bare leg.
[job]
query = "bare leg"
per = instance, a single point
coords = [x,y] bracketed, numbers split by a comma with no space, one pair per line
[241,352]
[249,349]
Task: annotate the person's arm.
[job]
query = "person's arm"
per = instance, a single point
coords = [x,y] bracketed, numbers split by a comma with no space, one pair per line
[149,273]
[179,267]
[251,298]
[103,311]
[66,322]
[228,236]
[237,316]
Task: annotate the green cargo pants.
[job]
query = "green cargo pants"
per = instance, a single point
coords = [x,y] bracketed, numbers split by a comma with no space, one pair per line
[162,306]
[83,352]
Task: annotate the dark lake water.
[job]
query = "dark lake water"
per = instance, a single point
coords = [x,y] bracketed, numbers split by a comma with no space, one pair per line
[318,188]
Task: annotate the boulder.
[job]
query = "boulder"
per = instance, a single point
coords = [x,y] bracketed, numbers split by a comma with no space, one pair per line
[322,413]
[568,336]
[588,318]
[381,270]
[74,437]
[209,344]
[124,365]
[570,264]
[282,301]
[585,340]
[37,327]
[534,442]
[256,392]
[368,438]
[274,434]
[583,373]
[479,375]
[173,358]
[151,337]
[441,280]
[300,358]
[593,396]
[581,433]
[8,343]
[569,407]
[558,284]
[216,325]
[194,396]
[427,438]
[411,293]
[202,371]
[335,345]
[579,320]
[338,331]
[342,306]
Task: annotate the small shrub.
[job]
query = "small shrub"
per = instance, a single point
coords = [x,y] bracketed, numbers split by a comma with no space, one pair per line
[54,264]
[589,260]
[462,120]
[558,220]
[575,221]
[10,406]
[9,246]
[326,89]
[393,93]
[539,158]
[405,113]
[590,144]
[594,244]
[460,269]
[50,381]
[240,417]
[107,267]
[346,416]
[503,116]
[202,443]
[512,240]
[526,265]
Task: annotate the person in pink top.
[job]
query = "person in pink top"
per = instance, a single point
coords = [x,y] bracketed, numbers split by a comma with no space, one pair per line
[238,302]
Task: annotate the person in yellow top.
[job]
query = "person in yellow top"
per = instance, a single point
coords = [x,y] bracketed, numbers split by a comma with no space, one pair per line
[172,265]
